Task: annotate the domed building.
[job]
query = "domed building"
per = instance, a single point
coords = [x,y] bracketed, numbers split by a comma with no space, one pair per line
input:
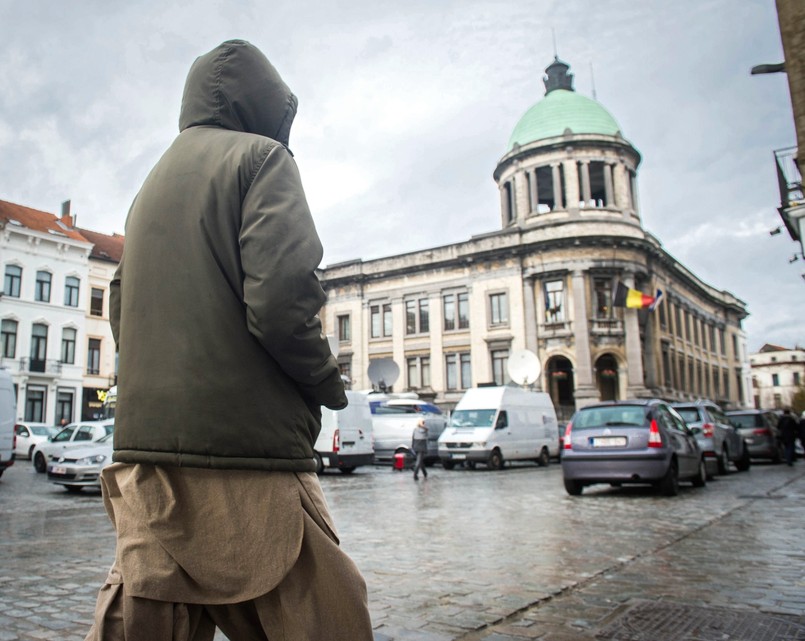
[551,280]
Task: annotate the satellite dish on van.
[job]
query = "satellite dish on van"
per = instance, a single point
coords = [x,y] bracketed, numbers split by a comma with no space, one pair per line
[383,372]
[333,341]
[524,367]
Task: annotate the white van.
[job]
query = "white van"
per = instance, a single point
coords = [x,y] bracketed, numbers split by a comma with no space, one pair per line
[8,414]
[345,441]
[493,425]
[394,418]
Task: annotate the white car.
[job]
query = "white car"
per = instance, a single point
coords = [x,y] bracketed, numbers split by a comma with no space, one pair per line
[80,467]
[71,436]
[29,435]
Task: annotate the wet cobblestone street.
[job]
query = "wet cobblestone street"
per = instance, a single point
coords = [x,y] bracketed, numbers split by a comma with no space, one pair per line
[480,555]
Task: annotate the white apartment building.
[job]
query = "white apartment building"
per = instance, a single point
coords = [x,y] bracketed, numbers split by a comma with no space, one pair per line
[777,374]
[54,335]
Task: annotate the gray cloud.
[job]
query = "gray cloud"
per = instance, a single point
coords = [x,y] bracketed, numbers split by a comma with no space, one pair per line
[406,108]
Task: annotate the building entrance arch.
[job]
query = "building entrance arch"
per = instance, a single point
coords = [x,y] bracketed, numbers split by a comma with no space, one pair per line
[559,381]
[607,377]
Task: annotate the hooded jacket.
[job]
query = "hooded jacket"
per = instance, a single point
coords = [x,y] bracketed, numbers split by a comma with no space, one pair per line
[222,361]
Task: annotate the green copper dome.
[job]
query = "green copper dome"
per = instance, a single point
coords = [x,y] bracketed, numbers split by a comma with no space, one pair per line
[560,110]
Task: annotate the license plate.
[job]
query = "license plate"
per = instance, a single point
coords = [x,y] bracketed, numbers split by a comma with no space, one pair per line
[58,470]
[459,457]
[609,441]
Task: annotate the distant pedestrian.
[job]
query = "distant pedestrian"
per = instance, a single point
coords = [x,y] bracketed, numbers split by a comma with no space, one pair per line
[419,443]
[801,432]
[789,430]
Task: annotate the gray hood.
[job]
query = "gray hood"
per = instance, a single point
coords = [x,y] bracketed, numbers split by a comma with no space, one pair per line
[234,86]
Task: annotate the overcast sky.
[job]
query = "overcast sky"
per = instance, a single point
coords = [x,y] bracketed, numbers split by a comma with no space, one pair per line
[406,107]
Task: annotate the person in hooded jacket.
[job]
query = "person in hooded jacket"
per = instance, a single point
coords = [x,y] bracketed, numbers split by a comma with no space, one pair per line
[223,369]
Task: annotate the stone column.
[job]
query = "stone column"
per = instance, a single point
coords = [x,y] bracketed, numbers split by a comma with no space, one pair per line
[608,191]
[653,351]
[530,315]
[532,181]
[586,196]
[557,187]
[635,385]
[505,215]
[585,391]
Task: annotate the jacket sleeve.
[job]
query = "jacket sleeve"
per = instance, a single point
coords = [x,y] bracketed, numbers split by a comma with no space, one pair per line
[114,303]
[280,251]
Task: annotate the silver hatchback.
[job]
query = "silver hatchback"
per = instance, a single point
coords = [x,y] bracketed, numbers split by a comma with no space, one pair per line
[624,442]
[718,438]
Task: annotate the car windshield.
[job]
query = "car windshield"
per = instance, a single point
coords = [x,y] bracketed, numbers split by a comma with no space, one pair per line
[472,418]
[689,414]
[394,409]
[745,420]
[42,430]
[65,434]
[614,415]
[106,439]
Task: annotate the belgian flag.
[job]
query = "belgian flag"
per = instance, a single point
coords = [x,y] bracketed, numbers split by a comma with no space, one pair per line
[627,297]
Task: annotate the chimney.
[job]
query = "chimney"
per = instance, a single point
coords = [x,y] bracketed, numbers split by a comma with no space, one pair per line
[66,218]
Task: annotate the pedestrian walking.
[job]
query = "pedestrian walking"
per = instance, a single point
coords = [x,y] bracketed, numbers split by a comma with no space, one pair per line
[789,428]
[801,432]
[223,370]
[419,443]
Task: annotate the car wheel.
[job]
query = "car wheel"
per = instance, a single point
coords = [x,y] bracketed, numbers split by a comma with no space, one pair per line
[700,480]
[745,462]
[448,465]
[724,461]
[74,489]
[574,488]
[319,463]
[544,458]
[669,485]
[495,460]
[347,470]
[40,464]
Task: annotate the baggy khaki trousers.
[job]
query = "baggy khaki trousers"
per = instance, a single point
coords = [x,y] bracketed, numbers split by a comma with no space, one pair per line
[322,598]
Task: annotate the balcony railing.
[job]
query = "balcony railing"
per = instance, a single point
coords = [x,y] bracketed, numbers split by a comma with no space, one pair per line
[37,366]
[789,177]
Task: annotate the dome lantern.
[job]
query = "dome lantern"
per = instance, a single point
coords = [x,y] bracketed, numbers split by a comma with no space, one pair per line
[558,76]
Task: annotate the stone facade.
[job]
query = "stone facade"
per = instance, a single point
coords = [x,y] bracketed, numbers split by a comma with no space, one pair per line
[450,316]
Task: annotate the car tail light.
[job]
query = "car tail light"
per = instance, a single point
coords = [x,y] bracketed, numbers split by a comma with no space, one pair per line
[761,432]
[654,436]
[336,441]
[708,429]
[568,446]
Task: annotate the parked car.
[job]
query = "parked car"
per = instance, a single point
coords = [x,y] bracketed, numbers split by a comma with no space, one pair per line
[759,431]
[720,441]
[31,434]
[72,435]
[80,467]
[631,442]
